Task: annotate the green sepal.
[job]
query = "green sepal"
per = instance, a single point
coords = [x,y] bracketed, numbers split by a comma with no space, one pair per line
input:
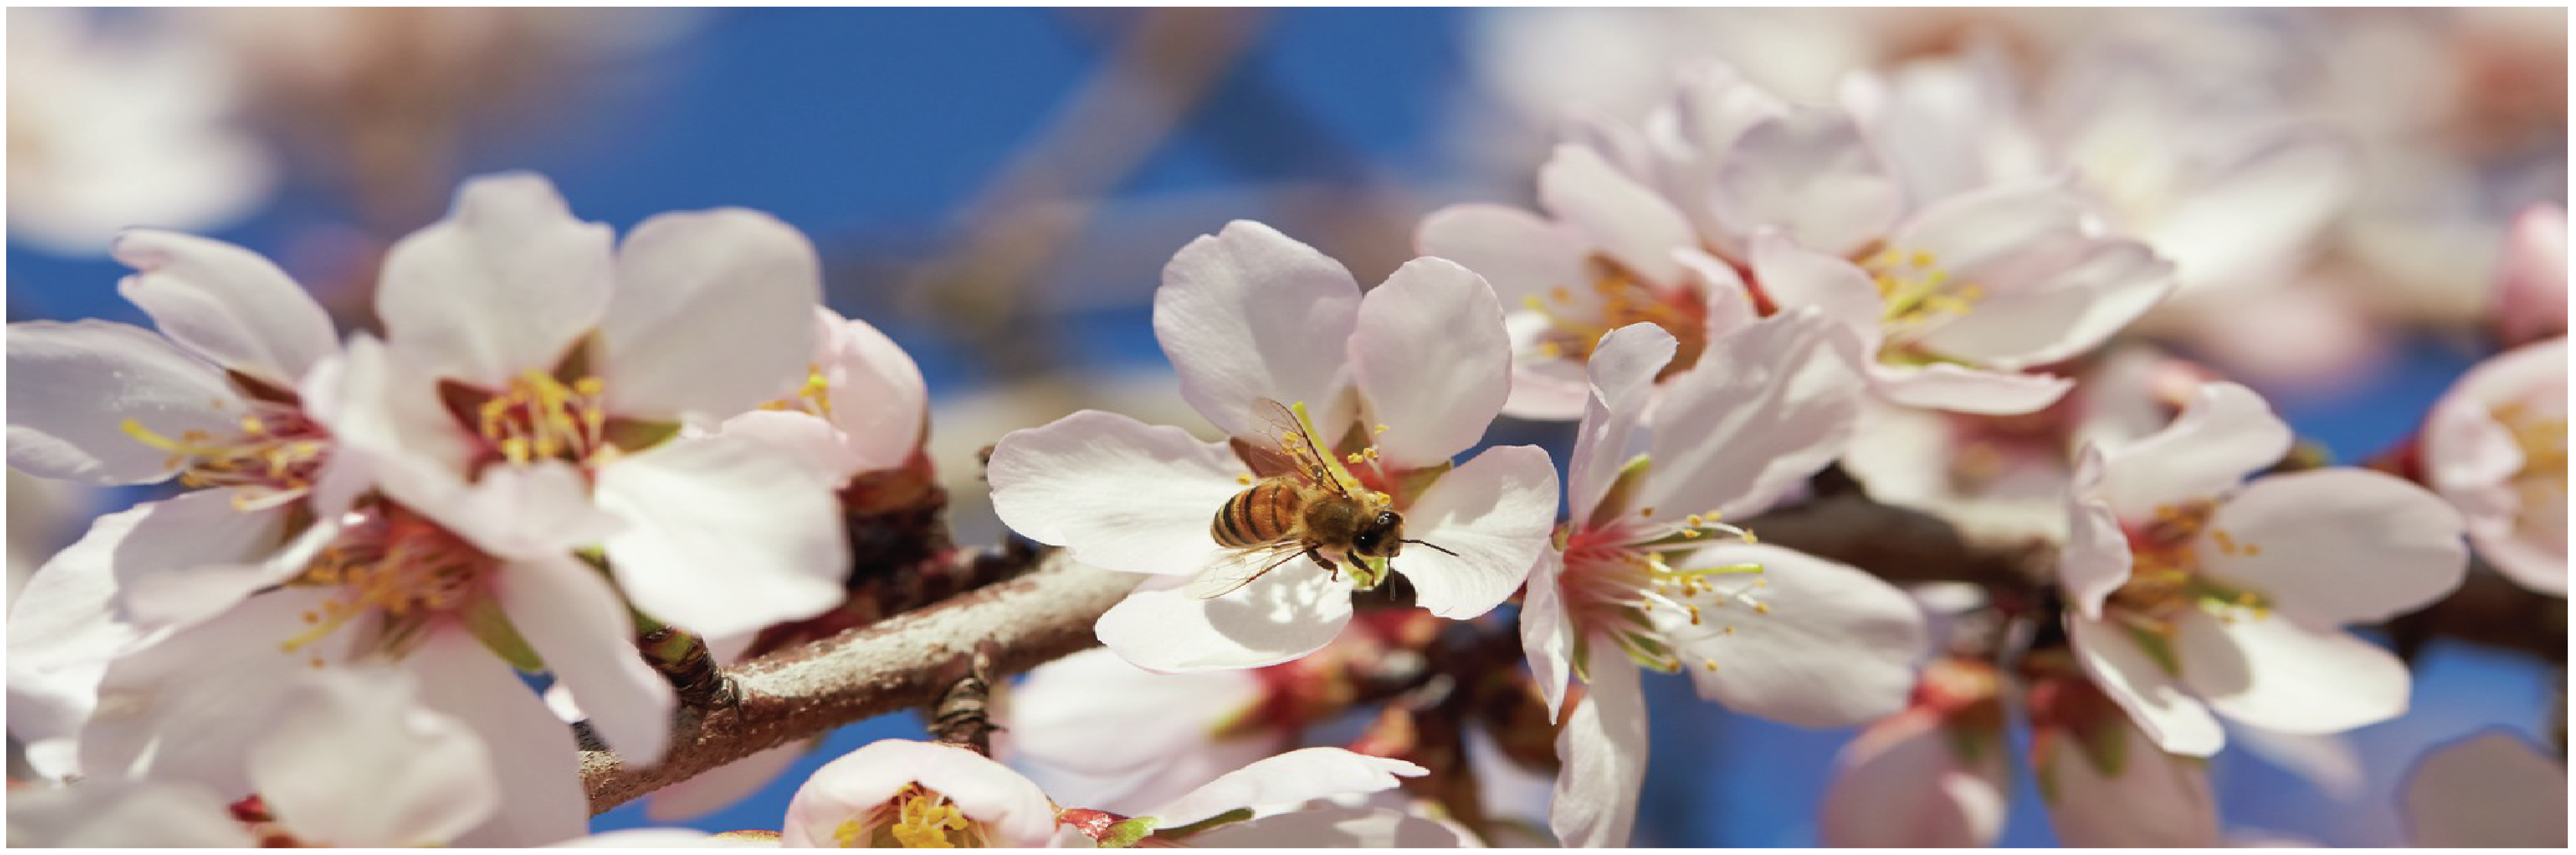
[489,625]
[1125,834]
[1179,832]
[633,435]
[2158,648]
[1614,501]
[2105,745]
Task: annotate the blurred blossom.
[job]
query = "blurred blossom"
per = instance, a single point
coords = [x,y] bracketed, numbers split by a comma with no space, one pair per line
[118,121]
[2496,448]
[1937,774]
[2531,293]
[2106,781]
[1129,739]
[2490,790]
[862,407]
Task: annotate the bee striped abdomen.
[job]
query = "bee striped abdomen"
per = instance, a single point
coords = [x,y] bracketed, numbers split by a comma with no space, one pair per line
[1264,514]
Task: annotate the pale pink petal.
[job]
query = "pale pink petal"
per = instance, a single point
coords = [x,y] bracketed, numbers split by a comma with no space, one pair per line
[1961,389]
[2481,466]
[1048,483]
[353,760]
[115,813]
[225,302]
[196,554]
[2096,560]
[1604,749]
[722,786]
[2072,307]
[1995,232]
[2489,791]
[388,424]
[2152,695]
[1902,783]
[1433,361]
[1793,276]
[1521,254]
[985,791]
[2336,546]
[1544,388]
[541,510]
[185,706]
[724,535]
[2151,799]
[739,280]
[1628,222]
[62,634]
[576,623]
[1827,646]
[1495,512]
[504,285]
[2273,673]
[1811,173]
[1287,613]
[878,399]
[2531,298]
[1547,632]
[74,386]
[1334,827]
[2225,433]
[1622,373]
[2257,215]
[1729,303]
[810,438]
[536,765]
[1250,313]
[1287,779]
[1165,726]
[1766,406]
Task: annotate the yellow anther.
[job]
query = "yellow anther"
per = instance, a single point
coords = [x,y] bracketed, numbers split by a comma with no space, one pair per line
[1561,294]
[1243,479]
[1533,302]
[1353,457]
[1381,429]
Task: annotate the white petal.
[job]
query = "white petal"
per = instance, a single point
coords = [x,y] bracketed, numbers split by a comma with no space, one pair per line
[577,624]
[1622,373]
[225,302]
[723,786]
[1297,776]
[2337,546]
[503,285]
[1167,724]
[983,790]
[2096,560]
[1960,389]
[355,761]
[1630,223]
[184,707]
[1604,749]
[536,765]
[1287,613]
[2156,799]
[1049,483]
[388,423]
[2271,672]
[2064,307]
[1544,388]
[1901,783]
[62,634]
[72,388]
[195,554]
[114,813]
[1834,646]
[2531,296]
[725,535]
[2255,216]
[1495,513]
[1520,253]
[2224,433]
[2153,697]
[2489,791]
[810,438]
[538,510]
[1250,313]
[1336,827]
[1432,359]
[1547,631]
[1810,172]
[878,399]
[1792,276]
[1992,233]
[740,280]
[1767,406]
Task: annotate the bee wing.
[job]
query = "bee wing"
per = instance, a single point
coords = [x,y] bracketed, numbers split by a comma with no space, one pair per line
[1304,455]
[1270,462]
[1241,568]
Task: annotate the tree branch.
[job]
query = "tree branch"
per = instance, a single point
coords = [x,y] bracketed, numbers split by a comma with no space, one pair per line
[889,666]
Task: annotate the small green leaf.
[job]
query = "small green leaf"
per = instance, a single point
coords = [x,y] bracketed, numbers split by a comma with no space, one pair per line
[1232,816]
[1125,834]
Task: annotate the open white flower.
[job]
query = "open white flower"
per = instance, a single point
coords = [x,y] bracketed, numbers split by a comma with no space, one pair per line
[2194,591]
[2495,446]
[862,408]
[1249,315]
[1636,583]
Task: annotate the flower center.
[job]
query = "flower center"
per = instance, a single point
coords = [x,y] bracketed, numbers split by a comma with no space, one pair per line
[916,818]
[539,417]
[2542,482]
[395,565]
[1919,297]
[1616,576]
[1616,299]
[813,398]
[272,461]
[2164,570]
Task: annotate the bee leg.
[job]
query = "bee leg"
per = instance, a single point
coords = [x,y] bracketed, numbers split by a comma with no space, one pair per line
[1329,566]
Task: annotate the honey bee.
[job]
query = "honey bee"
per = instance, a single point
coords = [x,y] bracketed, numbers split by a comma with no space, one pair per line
[1300,507]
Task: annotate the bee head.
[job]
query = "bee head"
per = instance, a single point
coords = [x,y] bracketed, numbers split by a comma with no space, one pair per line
[1382,535]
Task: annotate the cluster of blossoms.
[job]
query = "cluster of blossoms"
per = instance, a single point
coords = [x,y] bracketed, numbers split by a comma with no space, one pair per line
[564,442]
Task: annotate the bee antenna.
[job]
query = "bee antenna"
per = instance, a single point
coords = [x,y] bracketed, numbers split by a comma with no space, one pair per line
[1443,550]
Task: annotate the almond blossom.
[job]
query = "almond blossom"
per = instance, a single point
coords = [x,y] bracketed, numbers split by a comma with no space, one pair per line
[2106,781]
[1247,315]
[2495,446]
[2194,591]
[1936,774]
[1761,629]
[862,407]
[896,792]
[2530,302]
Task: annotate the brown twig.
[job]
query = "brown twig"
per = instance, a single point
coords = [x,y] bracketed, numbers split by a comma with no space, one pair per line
[886,667]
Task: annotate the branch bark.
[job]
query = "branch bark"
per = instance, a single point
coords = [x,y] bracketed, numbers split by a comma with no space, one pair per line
[889,666]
